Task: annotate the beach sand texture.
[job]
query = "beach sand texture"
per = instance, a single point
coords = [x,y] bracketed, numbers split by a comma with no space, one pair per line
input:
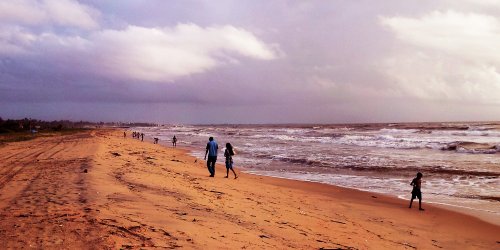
[97,190]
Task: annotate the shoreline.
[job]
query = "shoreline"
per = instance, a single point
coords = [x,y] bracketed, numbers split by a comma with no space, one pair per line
[482,215]
[98,190]
[486,216]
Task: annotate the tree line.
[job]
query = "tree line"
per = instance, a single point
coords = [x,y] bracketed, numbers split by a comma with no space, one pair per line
[32,125]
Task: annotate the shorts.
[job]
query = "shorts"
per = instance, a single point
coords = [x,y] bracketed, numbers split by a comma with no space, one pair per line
[229,165]
[211,160]
[416,193]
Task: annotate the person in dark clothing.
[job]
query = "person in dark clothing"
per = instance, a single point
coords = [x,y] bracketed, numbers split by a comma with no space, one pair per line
[174,141]
[228,153]
[211,150]
[416,192]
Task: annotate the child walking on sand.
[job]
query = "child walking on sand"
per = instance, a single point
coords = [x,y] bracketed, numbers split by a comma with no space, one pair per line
[228,153]
[416,192]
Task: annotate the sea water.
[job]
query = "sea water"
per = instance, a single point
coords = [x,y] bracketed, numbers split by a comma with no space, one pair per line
[460,161]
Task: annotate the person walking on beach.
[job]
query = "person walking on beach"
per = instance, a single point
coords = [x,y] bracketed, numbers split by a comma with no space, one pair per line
[174,142]
[142,136]
[211,150]
[228,153]
[416,192]
[124,134]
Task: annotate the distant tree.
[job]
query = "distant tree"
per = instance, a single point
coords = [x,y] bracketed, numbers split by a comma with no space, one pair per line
[58,127]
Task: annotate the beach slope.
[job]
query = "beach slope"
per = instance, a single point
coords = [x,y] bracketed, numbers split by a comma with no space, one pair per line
[96,189]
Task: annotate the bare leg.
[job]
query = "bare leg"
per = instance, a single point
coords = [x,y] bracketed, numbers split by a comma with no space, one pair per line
[411,201]
[420,205]
[227,172]
[235,176]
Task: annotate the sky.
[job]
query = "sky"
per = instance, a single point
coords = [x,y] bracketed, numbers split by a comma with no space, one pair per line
[255,61]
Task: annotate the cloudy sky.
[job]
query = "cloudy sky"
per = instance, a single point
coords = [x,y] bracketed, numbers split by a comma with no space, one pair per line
[255,61]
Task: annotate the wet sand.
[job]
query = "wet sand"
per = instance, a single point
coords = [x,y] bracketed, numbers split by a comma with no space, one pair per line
[98,190]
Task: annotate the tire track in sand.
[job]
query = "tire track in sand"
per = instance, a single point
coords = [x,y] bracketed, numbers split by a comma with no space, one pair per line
[44,204]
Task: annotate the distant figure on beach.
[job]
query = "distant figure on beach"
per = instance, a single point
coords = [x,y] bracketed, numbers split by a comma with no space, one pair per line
[155,140]
[228,153]
[416,192]
[211,150]
[124,134]
[174,142]
[142,136]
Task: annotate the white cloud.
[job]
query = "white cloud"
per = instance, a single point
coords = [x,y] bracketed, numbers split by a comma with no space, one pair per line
[471,36]
[68,13]
[140,53]
[15,40]
[22,12]
[71,13]
[447,56]
[163,54]
[487,3]
[428,76]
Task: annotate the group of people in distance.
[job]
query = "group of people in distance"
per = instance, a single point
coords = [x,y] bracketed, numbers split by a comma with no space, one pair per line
[211,152]
[137,135]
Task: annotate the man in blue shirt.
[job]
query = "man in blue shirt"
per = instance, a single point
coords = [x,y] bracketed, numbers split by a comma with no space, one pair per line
[212,148]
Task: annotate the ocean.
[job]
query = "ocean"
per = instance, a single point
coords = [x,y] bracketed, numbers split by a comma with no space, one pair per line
[460,161]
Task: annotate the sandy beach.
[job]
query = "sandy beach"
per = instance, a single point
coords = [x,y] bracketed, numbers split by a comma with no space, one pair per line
[98,190]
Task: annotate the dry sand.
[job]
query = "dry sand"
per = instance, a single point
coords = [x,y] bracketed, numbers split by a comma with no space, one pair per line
[96,190]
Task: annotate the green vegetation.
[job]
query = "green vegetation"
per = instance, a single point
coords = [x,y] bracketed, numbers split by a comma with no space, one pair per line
[27,129]
[12,130]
